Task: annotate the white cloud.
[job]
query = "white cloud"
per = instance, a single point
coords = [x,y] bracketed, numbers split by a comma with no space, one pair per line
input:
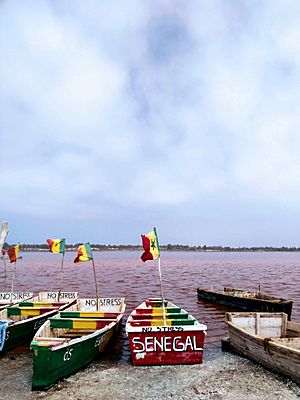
[158,104]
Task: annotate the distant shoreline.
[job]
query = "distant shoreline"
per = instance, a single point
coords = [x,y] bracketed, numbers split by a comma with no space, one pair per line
[169,247]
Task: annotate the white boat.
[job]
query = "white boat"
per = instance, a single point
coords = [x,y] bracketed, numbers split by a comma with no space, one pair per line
[267,338]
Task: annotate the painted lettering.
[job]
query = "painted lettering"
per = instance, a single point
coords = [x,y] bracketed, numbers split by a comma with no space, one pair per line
[151,344]
[67,295]
[138,343]
[146,329]
[68,355]
[4,296]
[38,324]
[168,343]
[90,302]
[177,345]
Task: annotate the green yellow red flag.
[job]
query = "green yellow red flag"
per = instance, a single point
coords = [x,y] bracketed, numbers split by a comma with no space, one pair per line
[13,252]
[84,253]
[151,246]
[57,245]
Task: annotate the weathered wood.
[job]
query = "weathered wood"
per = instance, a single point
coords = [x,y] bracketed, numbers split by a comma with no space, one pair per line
[269,346]
[246,300]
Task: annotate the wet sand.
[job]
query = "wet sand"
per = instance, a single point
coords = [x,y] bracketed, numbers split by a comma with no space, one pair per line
[221,376]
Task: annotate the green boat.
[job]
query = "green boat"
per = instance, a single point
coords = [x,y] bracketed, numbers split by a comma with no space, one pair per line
[73,338]
[19,323]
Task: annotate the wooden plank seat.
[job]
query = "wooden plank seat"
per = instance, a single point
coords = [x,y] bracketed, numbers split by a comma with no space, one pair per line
[161,322]
[160,316]
[88,314]
[51,339]
[79,323]
[157,310]
[77,333]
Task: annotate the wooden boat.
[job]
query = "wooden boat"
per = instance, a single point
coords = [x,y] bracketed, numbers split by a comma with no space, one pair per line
[177,339]
[267,338]
[73,338]
[18,323]
[8,298]
[246,300]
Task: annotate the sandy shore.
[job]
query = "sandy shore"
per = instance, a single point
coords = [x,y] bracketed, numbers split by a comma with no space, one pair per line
[221,376]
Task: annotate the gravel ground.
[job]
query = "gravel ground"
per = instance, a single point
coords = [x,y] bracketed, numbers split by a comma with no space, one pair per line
[222,376]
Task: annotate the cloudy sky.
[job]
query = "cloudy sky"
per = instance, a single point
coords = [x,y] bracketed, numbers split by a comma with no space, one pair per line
[119,116]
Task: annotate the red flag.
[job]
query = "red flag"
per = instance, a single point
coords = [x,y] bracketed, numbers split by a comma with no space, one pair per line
[13,252]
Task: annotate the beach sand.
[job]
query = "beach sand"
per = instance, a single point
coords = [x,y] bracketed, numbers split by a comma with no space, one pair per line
[221,376]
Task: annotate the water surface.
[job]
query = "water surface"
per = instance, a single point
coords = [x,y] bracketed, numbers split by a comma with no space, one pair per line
[122,273]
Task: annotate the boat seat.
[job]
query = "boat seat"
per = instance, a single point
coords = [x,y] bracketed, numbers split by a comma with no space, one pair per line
[88,314]
[161,322]
[160,316]
[80,323]
[51,339]
[157,310]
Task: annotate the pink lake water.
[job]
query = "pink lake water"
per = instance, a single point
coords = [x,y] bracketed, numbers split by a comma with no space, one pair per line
[123,274]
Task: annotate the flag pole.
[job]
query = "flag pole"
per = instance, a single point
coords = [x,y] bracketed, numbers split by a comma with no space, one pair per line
[61,275]
[95,278]
[160,280]
[162,293]
[4,262]
[13,279]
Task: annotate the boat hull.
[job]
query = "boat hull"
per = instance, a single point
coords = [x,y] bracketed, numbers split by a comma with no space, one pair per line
[23,331]
[50,364]
[73,338]
[247,303]
[164,335]
[164,348]
[280,355]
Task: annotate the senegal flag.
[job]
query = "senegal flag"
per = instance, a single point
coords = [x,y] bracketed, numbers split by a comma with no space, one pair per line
[57,245]
[151,246]
[13,252]
[84,253]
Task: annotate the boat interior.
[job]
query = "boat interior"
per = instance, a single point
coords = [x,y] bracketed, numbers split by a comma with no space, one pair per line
[43,303]
[151,313]
[25,310]
[270,326]
[250,295]
[76,322]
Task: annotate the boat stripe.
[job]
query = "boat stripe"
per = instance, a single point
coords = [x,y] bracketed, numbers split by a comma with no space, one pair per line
[157,310]
[88,314]
[29,311]
[160,322]
[40,304]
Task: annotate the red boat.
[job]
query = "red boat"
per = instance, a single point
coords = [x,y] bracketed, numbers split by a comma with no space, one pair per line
[164,335]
